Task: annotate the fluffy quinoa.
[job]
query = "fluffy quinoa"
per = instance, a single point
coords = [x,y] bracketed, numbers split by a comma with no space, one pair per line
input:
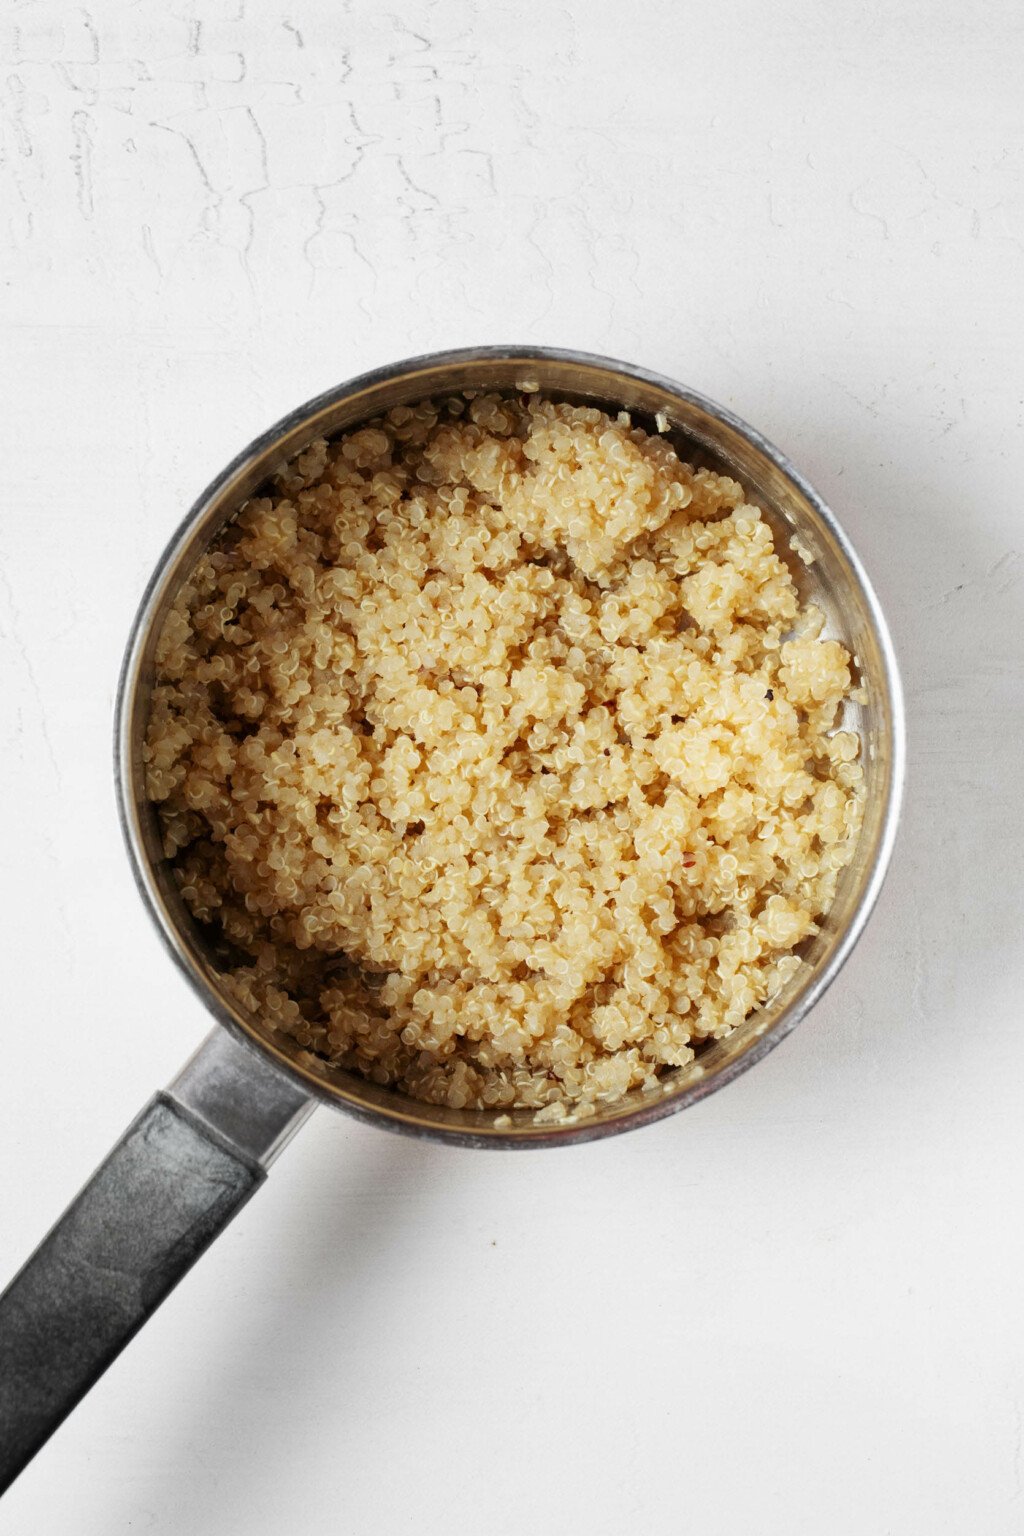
[495,741]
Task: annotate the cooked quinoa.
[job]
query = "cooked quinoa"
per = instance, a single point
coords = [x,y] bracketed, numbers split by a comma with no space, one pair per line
[496,742]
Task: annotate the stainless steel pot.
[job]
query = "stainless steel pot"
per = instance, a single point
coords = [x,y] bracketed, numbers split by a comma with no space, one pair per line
[199,1150]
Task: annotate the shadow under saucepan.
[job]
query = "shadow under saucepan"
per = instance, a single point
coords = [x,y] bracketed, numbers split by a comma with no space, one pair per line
[331,1236]
[921,1006]
[350,1218]
[373,1260]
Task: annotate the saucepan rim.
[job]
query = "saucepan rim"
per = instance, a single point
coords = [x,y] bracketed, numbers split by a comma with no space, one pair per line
[406,1115]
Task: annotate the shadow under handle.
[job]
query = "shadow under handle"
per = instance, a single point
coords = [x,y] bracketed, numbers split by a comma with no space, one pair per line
[178,1175]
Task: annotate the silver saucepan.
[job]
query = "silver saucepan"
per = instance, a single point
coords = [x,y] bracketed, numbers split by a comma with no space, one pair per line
[200,1148]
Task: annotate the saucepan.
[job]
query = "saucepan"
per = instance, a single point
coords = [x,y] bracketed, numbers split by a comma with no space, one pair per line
[201,1147]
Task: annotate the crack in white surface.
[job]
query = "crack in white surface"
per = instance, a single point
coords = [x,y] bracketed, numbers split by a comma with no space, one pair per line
[547,269]
[424,45]
[868,213]
[69,83]
[349,234]
[487,157]
[16,115]
[245,198]
[591,237]
[413,186]
[150,250]
[1008,563]
[92,34]
[81,159]
[359,150]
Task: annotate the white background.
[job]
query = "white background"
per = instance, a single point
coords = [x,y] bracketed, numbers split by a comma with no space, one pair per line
[798,1308]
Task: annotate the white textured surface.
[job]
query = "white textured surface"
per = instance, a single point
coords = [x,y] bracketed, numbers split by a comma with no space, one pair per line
[798,1308]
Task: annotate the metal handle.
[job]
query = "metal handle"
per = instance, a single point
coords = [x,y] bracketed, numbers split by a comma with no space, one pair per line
[178,1175]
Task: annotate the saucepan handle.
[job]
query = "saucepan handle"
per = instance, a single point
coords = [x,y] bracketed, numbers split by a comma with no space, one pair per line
[178,1175]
